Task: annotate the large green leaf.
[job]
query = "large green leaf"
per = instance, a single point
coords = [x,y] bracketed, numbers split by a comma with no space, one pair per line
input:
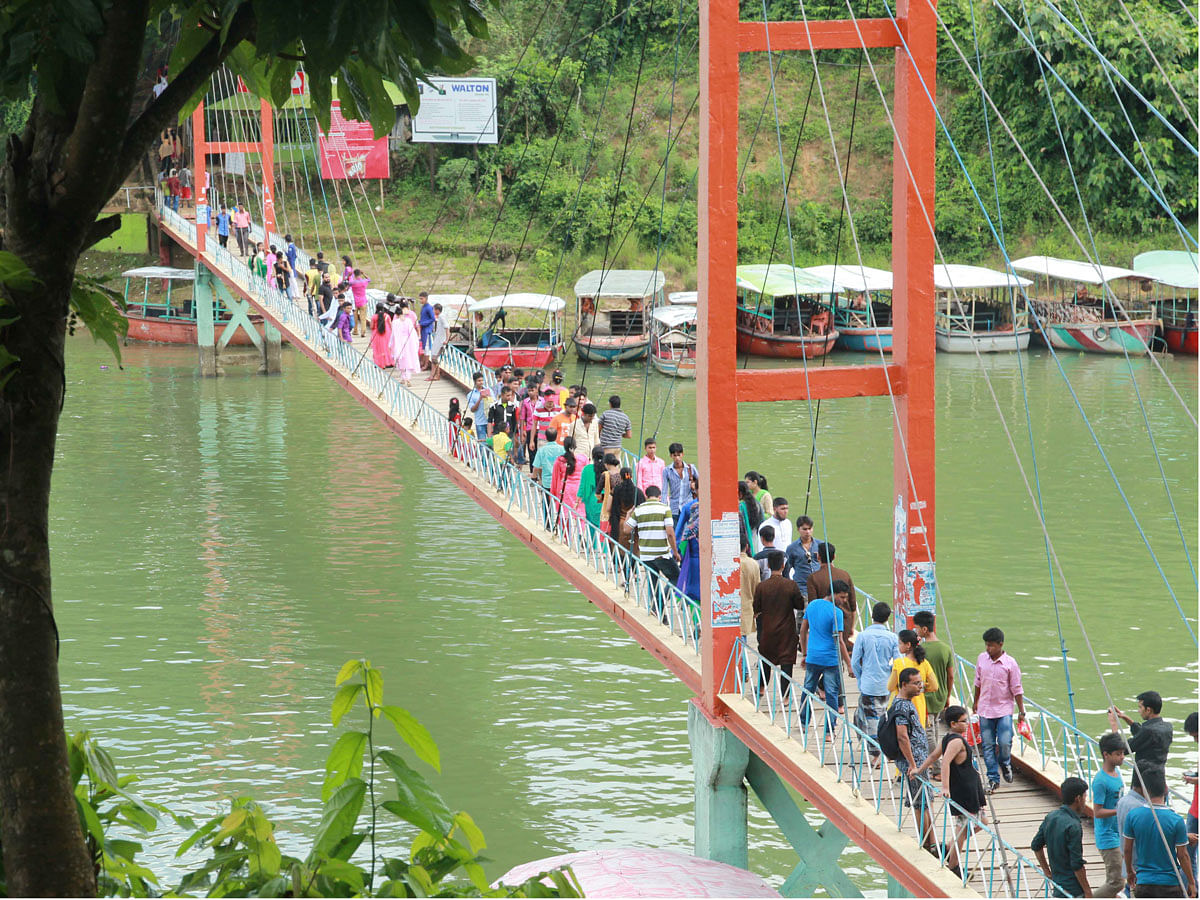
[345,761]
[349,669]
[343,700]
[418,802]
[414,734]
[99,308]
[338,820]
[345,873]
[15,274]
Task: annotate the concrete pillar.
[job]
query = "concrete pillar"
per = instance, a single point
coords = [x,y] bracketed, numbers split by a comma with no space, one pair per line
[272,350]
[719,761]
[205,298]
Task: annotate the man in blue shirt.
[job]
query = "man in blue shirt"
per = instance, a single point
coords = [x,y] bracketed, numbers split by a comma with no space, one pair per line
[820,643]
[801,555]
[479,400]
[223,225]
[426,322]
[871,664]
[1155,844]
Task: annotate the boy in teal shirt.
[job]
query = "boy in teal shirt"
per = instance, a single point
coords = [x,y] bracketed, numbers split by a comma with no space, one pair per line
[1106,791]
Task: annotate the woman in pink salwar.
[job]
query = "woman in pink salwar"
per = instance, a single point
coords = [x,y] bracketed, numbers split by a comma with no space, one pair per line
[406,342]
[564,487]
[381,337]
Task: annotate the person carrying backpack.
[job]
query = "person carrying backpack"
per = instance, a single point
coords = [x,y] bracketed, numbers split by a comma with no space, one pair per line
[902,739]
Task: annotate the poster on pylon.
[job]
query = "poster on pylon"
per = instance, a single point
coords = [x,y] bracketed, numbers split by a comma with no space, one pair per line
[350,150]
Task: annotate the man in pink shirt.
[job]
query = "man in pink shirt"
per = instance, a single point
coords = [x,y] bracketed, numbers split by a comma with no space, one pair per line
[997,685]
[241,227]
[650,467]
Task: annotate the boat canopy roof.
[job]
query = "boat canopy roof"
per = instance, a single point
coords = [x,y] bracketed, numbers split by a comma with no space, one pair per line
[964,278]
[1071,270]
[452,301]
[684,297]
[854,278]
[543,302]
[674,316]
[1177,268]
[620,283]
[780,280]
[161,272]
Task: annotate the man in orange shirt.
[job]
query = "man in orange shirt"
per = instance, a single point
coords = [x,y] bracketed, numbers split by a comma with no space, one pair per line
[565,419]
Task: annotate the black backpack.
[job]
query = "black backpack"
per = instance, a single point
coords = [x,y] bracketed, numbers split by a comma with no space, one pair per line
[889,743]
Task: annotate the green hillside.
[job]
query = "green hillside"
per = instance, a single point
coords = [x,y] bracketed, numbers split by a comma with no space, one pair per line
[590,94]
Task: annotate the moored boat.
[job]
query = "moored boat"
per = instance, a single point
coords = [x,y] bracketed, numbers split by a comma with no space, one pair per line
[533,340]
[781,312]
[170,317]
[1090,307]
[980,310]
[1176,274]
[862,309]
[673,340]
[613,313]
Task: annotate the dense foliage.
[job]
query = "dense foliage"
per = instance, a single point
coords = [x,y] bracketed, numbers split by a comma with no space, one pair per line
[568,88]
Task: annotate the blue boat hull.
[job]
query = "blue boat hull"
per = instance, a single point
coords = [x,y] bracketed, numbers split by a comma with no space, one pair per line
[865,340]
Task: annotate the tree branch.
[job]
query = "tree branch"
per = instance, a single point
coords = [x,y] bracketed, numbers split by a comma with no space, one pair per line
[101,229]
[164,110]
[91,145]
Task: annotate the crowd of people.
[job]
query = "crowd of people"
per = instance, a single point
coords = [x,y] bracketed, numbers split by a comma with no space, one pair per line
[797,606]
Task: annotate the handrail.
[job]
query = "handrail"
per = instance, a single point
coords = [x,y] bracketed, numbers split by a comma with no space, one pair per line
[853,754]
[606,557]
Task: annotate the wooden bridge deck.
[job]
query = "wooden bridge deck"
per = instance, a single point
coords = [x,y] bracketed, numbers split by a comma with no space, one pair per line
[863,806]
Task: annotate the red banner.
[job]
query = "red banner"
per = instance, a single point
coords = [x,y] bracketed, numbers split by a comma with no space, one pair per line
[350,149]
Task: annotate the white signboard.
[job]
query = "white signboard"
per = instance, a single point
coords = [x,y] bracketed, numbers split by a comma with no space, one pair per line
[456,111]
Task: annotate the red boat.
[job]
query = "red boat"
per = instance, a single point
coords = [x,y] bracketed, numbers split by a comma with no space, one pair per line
[1181,338]
[779,313]
[532,341]
[170,317]
[1176,275]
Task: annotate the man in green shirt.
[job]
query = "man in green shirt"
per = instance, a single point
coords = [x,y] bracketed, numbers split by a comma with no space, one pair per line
[1060,836]
[941,660]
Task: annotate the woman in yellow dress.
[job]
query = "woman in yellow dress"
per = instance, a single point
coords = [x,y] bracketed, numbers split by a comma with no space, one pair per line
[912,656]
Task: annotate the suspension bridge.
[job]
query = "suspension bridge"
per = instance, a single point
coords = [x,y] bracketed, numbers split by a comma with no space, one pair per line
[742,736]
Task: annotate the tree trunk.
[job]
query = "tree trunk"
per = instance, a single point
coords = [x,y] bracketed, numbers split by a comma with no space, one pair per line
[44,850]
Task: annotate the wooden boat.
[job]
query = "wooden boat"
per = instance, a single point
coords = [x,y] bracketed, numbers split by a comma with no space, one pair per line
[1176,275]
[673,340]
[169,317]
[980,310]
[1090,307]
[862,311]
[533,339]
[613,309]
[781,313]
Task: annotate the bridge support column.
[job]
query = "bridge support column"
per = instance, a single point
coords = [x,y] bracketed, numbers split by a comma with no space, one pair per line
[272,350]
[204,297]
[896,889]
[818,848]
[719,761]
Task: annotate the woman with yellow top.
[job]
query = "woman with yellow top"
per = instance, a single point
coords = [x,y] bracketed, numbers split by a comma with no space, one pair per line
[912,656]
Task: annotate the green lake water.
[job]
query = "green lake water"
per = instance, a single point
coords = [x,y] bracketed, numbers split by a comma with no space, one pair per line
[222,546]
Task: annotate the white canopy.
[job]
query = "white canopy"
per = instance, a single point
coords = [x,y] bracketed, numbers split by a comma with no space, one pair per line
[161,272]
[1070,270]
[620,283]
[965,278]
[451,301]
[674,316]
[1177,268]
[854,278]
[687,297]
[543,302]
[782,280]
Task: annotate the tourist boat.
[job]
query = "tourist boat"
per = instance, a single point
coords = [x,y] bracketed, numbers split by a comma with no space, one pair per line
[1085,306]
[683,298]
[1177,283]
[980,310]
[533,339]
[613,306]
[862,311]
[673,340]
[170,317]
[454,308]
[781,313]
